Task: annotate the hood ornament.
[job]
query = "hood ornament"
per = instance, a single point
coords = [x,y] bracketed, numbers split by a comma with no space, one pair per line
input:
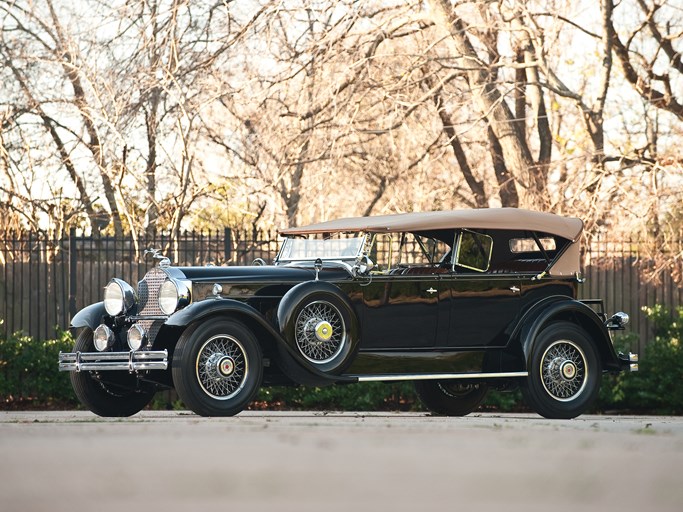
[156,254]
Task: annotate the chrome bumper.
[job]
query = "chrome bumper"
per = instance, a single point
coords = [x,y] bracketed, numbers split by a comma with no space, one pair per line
[629,361]
[133,361]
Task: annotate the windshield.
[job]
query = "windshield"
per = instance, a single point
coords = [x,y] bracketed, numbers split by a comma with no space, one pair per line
[304,249]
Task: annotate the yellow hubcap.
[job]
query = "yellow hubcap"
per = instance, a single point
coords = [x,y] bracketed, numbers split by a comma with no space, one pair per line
[323,331]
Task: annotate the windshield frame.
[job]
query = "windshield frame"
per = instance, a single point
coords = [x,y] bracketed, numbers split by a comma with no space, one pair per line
[361,241]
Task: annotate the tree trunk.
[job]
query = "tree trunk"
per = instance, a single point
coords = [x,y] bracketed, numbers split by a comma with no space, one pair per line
[476,186]
[150,171]
[526,55]
[94,145]
[506,183]
[486,95]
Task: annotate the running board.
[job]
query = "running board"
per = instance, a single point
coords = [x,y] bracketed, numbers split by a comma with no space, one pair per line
[437,376]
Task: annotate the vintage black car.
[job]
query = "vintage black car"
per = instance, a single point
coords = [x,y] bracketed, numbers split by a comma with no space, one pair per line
[456,301]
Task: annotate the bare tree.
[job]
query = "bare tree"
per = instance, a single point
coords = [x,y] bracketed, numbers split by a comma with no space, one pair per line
[486,95]
[281,112]
[651,53]
[119,101]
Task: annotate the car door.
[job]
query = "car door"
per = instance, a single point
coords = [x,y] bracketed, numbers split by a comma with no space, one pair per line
[403,312]
[402,303]
[483,306]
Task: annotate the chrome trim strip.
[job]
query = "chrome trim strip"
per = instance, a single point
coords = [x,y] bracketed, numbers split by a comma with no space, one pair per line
[436,376]
[133,361]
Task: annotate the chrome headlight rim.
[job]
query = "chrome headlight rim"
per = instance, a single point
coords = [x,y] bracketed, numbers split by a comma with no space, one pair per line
[103,338]
[137,337]
[119,297]
[174,294]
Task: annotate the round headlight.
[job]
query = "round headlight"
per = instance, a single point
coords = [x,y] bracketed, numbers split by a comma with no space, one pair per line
[103,338]
[173,295]
[119,297]
[136,337]
[168,297]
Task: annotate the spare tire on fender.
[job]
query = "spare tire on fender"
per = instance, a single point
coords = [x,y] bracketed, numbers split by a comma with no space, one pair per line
[320,326]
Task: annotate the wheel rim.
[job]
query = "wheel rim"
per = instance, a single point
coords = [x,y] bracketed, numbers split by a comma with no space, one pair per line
[458,389]
[564,371]
[320,332]
[222,367]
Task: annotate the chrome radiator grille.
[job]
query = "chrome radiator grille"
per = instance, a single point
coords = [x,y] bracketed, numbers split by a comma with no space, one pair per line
[148,297]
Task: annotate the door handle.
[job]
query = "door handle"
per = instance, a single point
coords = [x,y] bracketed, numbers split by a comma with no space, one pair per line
[514,289]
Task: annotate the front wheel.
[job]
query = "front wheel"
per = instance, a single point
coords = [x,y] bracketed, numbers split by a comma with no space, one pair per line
[109,394]
[450,397]
[217,368]
[564,372]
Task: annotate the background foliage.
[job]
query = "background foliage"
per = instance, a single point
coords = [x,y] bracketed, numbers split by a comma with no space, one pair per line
[658,385]
[29,379]
[28,376]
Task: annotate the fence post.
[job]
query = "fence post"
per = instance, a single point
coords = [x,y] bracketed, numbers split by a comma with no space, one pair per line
[73,281]
[227,244]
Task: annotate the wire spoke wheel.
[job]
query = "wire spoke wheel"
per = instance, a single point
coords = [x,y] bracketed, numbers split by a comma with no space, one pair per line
[456,390]
[320,332]
[563,370]
[222,367]
[217,367]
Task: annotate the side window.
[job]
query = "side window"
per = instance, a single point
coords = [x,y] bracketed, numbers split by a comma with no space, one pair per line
[396,250]
[474,251]
[385,251]
[422,251]
[522,245]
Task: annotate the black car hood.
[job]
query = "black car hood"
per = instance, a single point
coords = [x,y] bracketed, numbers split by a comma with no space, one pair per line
[250,273]
[266,274]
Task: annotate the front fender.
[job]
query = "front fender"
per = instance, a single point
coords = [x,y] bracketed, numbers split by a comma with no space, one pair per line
[567,310]
[90,316]
[203,309]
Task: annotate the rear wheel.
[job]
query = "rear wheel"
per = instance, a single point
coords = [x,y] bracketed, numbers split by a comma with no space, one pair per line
[217,368]
[450,397]
[110,394]
[564,372]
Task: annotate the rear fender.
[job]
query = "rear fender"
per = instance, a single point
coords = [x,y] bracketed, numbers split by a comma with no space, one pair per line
[563,309]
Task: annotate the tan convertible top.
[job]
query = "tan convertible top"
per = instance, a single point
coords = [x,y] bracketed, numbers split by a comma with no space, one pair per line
[485,218]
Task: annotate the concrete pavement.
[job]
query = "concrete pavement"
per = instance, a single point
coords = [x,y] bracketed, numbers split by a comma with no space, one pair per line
[310,461]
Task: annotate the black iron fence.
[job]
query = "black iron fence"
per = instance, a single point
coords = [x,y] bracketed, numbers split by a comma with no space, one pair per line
[44,282]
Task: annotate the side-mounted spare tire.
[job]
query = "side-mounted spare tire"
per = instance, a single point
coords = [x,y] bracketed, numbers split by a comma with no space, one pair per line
[321,329]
